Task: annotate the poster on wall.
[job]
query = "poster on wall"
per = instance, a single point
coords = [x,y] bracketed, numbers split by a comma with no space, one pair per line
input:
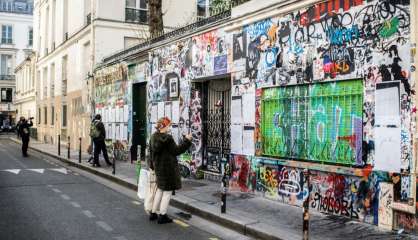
[236,136]
[161,108]
[387,149]
[154,113]
[175,111]
[167,110]
[248,101]
[236,110]
[126,113]
[248,143]
[387,103]
[220,65]
[174,87]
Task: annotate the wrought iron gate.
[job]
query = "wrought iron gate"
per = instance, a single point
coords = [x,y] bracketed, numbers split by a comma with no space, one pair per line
[216,96]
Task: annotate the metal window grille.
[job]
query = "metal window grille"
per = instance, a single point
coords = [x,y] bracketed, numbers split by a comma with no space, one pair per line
[318,122]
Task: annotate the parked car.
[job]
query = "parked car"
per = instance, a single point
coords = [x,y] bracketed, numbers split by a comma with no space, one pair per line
[8,128]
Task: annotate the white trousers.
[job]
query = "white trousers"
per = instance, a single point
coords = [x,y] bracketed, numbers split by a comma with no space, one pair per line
[161,201]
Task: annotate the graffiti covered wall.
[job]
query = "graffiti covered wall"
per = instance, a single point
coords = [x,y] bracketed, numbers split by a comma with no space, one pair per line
[112,101]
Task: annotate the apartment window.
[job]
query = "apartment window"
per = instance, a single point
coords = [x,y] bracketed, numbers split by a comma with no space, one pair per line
[30,37]
[52,115]
[39,115]
[6,34]
[65,20]
[136,11]
[6,94]
[44,83]
[64,75]
[64,116]
[52,80]
[202,8]
[45,115]
[6,64]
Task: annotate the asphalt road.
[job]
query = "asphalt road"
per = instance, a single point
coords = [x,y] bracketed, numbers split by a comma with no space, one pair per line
[40,199]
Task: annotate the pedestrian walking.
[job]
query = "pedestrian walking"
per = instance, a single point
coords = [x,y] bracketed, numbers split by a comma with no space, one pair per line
[164,152]
[24,133]
[98,134]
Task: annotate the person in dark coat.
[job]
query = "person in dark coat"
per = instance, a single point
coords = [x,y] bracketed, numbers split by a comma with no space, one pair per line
[99,141]
[24,133]
[164,152]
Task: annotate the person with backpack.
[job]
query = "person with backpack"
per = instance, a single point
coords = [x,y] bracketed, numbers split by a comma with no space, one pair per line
[98,134]
[23,130]
[163,160]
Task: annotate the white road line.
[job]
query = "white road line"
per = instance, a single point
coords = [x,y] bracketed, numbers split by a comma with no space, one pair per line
[75,204]
[136,202]
[120,238]
[65,197]
[15,171]
[104,225]
[88,214]
[56,190]
[37,170]
[49,186]
[61,170]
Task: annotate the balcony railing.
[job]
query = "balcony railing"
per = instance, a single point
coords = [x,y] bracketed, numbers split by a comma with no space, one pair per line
[136,15]
[7,77]
[20,8]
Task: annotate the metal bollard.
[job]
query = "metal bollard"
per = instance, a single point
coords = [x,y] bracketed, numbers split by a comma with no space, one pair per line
[68,147]
[305,226]
[114,166]
[224,187]
[79,152]
[59,145]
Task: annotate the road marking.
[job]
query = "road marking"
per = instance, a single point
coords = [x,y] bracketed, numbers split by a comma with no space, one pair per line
[88,214]
[65,197]
[213,238]
[120,238]
[56,190]
[75,204]
[76,174]
[61,170]
[136,202]
[181,223]
[49,186]
[105,226]
[37,170]
[15,171]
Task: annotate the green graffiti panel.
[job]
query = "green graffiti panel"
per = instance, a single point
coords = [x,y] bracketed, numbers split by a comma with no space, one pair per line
[318,122]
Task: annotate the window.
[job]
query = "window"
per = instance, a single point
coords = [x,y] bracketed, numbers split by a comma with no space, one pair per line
[52,81]
[30,37]
[202,8]
[39,115]
[6,94]
[52,115]
[317,122]
[136,11]
[45,115]
[6,64]
[64,76]
[6,34]
[64,116]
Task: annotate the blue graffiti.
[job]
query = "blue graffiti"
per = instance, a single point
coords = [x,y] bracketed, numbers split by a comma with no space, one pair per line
[258,28]
[339,36]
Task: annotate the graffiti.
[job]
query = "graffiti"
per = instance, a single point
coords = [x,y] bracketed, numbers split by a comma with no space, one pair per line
[406,221]
[334,205]
[242,177]
[196,129]
[302,122]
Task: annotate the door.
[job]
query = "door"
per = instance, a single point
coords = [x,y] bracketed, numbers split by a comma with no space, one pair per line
[139,120]
[216,122]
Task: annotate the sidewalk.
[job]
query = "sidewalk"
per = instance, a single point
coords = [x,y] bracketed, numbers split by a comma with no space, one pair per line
[246,213]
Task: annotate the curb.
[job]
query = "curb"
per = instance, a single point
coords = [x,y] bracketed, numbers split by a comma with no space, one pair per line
[233,224]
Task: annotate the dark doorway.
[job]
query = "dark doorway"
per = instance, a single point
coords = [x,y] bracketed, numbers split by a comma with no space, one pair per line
[216,102]
[139,120]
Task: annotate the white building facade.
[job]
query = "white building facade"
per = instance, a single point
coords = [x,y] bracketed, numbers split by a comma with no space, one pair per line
[15,45]
[70,37]
[25,98]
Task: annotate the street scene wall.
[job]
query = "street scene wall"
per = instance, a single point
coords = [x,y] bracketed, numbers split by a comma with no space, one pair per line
[328,85]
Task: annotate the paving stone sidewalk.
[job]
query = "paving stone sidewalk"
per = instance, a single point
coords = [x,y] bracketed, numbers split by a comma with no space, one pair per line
[252,215]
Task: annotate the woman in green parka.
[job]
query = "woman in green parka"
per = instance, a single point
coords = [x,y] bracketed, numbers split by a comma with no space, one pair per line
[164,152]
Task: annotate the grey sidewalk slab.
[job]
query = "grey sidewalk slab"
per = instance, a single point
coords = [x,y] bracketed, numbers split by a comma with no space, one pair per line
[249,214]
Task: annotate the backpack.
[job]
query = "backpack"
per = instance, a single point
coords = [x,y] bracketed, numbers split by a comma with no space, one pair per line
[94,132]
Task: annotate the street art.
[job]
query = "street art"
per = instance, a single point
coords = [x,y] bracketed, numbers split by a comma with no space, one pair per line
[242,178]
[320,122]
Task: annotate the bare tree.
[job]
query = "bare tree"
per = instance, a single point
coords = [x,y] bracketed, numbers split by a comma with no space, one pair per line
[155,18]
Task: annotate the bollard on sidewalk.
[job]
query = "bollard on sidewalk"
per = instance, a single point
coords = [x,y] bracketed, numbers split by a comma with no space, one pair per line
[224,187]
[68,147]
[305,226]
[79,152]
[59,145]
